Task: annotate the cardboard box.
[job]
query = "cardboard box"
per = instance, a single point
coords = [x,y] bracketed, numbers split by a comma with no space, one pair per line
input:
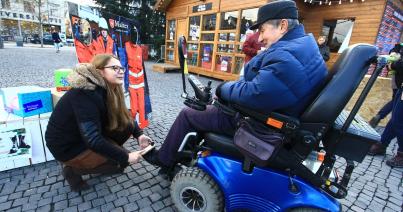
[61,82]
[27,101]
[56,95]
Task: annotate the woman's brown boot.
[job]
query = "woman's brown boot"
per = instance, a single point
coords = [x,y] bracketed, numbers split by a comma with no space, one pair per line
[75,181]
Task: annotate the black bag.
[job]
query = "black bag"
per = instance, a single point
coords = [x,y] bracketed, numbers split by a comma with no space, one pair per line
[257,142]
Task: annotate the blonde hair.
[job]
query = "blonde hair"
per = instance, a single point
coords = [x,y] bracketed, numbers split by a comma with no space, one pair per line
[118,114]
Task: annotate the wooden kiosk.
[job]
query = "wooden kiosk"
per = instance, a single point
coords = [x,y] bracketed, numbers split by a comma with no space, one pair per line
[216,29]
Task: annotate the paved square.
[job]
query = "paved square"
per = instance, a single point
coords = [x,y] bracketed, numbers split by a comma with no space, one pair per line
[373,187]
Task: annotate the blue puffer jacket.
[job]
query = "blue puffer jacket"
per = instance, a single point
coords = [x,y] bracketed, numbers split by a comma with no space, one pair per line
[283,78]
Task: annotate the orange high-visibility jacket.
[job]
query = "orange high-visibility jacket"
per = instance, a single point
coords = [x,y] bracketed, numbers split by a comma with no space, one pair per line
[135,61]
[98,46]
[136,83]
[83,51]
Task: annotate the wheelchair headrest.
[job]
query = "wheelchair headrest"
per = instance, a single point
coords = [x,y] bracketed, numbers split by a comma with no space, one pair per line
[348,71]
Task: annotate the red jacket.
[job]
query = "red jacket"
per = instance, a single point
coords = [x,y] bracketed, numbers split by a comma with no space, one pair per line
[251,46]
[135,61]
[99,46]
[83,51]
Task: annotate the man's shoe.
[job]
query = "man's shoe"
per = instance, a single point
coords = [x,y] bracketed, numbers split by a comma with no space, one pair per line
[75,181]
[169,172]
[377,149]
[374,121]
[152,158]
[397,161]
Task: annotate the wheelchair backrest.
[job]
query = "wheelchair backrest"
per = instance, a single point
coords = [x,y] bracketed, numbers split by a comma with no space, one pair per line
[349,69]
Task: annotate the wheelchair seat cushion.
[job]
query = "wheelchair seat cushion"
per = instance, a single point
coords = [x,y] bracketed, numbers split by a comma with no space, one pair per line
[222,144]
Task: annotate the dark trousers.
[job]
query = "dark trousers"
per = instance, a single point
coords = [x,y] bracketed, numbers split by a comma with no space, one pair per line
[387,108]
[190,120]
[394,128]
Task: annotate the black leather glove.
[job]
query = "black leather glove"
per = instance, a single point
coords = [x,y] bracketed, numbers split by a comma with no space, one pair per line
[90,131]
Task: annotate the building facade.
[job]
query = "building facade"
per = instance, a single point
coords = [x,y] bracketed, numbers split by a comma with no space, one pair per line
[21,17]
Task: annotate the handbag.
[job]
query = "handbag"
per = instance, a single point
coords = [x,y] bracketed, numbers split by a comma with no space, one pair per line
[257,142]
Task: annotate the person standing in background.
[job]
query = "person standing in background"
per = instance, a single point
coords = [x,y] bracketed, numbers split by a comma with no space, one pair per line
[387,108]
[56,39]
[252,46]
[323,48]
[394,128]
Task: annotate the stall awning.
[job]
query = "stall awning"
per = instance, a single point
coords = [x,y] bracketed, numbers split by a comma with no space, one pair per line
[161,5]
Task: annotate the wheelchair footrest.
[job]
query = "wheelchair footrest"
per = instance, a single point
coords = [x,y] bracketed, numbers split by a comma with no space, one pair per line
[355,143]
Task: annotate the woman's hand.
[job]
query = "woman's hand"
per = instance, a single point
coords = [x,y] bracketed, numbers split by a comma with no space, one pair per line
[144,141]
[134,157]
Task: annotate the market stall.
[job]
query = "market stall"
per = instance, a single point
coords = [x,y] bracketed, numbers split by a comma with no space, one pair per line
[216,29]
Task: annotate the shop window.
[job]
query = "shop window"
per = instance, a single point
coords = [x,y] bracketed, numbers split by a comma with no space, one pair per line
[225,48]
[249,17]
[229,20]
[5,4]
[171,30]
[170,45]
[239,48]
[192,58]
[207,55]
[239,63]
[170,55]
[209,22]
[226,37]
[193,53]
[192,46]
[338,33]
[207,37]
[223,64]
[194,28]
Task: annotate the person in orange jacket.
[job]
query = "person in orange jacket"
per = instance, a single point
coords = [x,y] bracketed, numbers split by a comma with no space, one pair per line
[84,53]
[136,82]
[103,44]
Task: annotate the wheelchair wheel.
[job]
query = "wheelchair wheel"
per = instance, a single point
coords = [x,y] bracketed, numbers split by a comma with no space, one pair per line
[194,190]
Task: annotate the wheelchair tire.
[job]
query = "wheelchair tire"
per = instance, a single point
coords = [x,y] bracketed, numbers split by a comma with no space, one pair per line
[194,190]
[306,210]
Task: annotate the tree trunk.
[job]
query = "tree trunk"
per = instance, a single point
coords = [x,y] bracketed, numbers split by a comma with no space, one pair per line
[40,21]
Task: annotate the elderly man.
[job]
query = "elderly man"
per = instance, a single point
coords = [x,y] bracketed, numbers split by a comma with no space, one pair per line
[282,78]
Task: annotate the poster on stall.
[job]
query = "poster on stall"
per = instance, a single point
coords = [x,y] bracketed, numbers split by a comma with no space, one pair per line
[194,32]
[15,143]
[95,33]
[389,31]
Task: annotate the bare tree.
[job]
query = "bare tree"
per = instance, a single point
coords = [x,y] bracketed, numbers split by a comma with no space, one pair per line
[39,4]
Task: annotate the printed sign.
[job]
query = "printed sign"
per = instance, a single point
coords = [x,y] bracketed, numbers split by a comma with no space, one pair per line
[202,7]
[389,31]
[30,106]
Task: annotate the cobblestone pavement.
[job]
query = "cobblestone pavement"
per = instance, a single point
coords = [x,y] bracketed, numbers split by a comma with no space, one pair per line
[373,186]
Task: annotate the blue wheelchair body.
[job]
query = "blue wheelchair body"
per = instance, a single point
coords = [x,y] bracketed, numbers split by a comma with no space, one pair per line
[263,189]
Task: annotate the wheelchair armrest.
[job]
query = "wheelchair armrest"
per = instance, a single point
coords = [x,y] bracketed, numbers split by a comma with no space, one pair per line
[286,124]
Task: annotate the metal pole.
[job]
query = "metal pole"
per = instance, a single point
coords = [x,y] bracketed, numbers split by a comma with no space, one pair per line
[19,27]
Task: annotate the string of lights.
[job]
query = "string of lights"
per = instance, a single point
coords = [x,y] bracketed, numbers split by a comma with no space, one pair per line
[329,2]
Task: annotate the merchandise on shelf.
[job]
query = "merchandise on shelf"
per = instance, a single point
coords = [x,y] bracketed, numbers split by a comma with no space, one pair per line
[206,60]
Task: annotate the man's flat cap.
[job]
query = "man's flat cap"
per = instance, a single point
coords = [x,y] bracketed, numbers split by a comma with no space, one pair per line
[284,9]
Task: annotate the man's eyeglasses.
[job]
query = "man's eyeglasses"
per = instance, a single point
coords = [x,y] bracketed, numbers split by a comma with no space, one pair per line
[117,69]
